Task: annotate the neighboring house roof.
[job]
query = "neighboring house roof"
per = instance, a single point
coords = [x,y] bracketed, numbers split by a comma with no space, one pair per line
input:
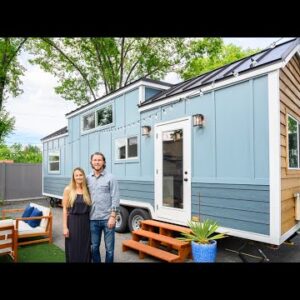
[56,133]
[263,58]
[126,86]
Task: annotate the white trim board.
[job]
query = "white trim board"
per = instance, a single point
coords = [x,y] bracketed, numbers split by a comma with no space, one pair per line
[52,195]
[274,155]
[217,85]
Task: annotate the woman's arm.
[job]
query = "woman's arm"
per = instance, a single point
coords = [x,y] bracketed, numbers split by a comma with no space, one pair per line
[65,212]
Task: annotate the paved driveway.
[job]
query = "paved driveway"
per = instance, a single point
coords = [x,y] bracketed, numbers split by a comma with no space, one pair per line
[287,252]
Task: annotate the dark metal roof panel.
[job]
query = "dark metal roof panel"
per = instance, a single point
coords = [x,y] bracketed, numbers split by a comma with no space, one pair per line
[264,57]
[56,133]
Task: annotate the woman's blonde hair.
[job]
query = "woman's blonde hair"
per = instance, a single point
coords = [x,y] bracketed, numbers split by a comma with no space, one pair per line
[72,189]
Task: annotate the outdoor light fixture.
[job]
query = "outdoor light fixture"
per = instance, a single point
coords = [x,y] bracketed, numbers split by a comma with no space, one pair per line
[198,120]
[146,130]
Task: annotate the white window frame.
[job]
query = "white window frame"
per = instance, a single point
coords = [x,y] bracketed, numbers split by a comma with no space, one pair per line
[298,143]
[96,119]
[126,139]
[54,153]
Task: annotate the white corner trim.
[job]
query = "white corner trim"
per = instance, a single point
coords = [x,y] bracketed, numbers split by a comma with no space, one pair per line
[288,58]
[208,88]
[134,204]
[141,94]
[116,94]
[274,155]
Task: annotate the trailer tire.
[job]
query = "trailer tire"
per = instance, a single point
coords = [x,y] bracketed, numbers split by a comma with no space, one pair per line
[137,215]
[122,220]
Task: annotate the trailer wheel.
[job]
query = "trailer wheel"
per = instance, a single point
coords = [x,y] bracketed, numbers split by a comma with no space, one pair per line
[135,217]
[52,202]
[122,220]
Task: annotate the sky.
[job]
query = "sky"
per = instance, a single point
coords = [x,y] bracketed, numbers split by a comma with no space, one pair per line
[39,111]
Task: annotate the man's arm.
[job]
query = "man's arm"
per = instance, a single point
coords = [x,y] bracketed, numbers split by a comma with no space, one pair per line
[115,196]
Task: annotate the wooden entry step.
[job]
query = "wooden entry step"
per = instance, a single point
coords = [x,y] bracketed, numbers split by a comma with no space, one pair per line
[163,227]
[161,241]
[157,240]
[146,249]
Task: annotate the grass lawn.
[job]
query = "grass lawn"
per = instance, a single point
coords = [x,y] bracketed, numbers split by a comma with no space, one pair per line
[38,253]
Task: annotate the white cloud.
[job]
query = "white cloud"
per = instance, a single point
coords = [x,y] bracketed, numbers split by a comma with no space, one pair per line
[39,111]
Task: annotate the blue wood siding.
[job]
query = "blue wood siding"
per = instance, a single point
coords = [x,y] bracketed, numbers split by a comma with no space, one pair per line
[230,161]
[243,207]
[137,190]
[55,185]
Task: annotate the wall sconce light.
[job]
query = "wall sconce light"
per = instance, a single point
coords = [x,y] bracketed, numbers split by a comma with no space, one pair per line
[146,130]
[198,120]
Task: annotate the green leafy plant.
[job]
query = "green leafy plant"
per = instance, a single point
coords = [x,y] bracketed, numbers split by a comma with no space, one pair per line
[202,232]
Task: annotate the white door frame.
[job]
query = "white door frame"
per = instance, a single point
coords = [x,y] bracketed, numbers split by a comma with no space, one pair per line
[171,214]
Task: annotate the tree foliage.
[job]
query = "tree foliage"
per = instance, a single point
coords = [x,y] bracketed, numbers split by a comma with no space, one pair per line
[28,154]
[7,124]
[84,65]
[10,69]
[208,54]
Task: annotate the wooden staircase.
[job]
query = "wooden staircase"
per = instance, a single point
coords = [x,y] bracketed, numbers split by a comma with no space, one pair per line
[161,241]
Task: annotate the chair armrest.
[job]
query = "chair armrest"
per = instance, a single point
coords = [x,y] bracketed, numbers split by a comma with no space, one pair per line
[4,211]
[30,218]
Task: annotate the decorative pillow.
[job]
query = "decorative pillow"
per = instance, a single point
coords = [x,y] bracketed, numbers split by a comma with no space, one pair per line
[27,212]
[35,213]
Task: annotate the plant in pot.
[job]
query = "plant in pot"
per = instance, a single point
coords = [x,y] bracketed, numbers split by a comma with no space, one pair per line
[203,238]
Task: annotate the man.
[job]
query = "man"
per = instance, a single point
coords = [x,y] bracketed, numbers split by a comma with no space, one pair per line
[104,193]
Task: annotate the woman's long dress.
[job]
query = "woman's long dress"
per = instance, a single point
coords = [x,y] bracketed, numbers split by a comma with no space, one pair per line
[78,244]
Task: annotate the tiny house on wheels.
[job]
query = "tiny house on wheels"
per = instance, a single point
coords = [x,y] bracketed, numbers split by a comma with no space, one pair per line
[224,145]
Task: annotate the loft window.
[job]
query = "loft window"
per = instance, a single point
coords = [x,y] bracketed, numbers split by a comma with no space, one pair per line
[104,116]
[89,121]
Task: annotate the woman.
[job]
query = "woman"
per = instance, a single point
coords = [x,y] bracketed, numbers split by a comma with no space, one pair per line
[76,222]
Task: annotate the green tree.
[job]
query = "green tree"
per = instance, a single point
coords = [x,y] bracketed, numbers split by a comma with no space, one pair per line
[84,65]
[28,154]
[7,124]
[10,69]
[208,54]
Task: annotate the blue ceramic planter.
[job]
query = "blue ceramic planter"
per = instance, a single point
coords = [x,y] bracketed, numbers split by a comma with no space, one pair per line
[204,252]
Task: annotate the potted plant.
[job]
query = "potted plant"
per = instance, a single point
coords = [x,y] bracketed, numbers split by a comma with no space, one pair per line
[203,238]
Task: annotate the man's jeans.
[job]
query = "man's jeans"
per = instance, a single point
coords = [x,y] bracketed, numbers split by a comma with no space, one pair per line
[97,226]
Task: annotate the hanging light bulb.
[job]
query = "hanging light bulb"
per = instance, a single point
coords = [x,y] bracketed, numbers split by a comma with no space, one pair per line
[201,93]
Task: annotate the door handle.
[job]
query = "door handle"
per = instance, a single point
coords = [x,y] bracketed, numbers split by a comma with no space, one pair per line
[185,179]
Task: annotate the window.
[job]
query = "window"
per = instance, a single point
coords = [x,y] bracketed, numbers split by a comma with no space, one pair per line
[104,116]
[293,142]
[121,148]
[89,121]
[98,118]
[126,148]
[54,162]
[132,147]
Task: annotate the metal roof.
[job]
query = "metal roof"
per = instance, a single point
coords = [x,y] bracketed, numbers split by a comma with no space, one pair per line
[56,133]
[262,58]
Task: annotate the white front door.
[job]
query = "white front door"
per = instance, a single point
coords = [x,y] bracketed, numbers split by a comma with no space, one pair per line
[173,171]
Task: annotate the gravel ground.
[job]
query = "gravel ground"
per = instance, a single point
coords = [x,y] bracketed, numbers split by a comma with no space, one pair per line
[287,252]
